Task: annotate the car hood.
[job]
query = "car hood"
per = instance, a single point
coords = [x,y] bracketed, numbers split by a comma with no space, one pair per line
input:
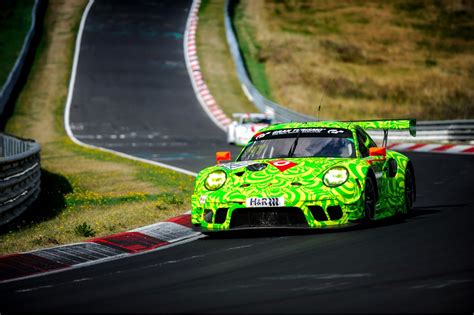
[290,177]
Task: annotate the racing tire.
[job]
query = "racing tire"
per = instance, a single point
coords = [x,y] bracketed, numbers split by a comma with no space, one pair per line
[369,199]
[409,191]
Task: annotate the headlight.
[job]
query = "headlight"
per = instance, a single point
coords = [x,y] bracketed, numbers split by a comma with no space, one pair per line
[215,180]
[335,176]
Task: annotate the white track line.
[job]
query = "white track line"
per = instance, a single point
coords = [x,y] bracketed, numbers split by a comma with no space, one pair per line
[69,101]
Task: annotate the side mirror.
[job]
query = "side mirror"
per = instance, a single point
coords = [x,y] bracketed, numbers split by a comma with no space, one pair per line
[223,156]
[378,152]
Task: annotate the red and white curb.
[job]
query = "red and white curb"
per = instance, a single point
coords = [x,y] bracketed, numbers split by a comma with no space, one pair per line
[157,236]
[153,237]
[201,90]
[433,148]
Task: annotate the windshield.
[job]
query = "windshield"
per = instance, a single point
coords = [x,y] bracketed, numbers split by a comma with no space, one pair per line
[307,142]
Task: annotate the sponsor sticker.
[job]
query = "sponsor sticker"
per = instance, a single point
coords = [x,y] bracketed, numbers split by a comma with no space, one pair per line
[261,135]
[283,165]
[255,202]
[305,132]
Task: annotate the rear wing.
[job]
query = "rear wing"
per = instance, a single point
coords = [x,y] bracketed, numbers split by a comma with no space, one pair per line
[389,124]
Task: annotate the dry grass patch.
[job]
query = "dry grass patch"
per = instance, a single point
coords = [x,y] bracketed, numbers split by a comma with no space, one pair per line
[84,193]
[217,66]
[101,220]
[372,59]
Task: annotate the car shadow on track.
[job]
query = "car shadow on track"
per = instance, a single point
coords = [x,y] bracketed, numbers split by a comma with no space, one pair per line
[286,231]
[260,232]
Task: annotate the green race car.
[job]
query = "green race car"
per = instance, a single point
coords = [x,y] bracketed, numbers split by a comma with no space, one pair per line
[309,175]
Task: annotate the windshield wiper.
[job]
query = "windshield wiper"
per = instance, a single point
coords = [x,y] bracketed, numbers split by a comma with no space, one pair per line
[295,143]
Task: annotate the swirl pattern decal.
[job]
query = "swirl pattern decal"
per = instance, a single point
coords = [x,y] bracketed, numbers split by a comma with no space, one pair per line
[299,182]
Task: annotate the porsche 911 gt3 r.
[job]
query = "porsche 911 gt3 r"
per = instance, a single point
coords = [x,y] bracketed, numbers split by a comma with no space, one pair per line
[310,175]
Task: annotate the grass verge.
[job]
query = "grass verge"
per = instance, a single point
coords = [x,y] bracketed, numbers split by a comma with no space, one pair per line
[252,52]
[372,59]
[217,66]
[85,192]
[15,21]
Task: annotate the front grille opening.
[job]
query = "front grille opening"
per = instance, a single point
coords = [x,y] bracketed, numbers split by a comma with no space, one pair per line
[208,215]
[334,212]
[221,215]
[268,217]
[318,213]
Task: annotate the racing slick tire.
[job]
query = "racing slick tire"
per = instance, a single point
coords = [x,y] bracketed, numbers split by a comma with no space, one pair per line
[369,199]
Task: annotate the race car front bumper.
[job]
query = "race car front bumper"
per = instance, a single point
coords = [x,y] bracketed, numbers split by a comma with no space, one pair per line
[312,214]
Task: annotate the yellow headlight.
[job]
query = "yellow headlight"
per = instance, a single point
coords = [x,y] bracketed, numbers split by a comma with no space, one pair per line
[336,176]
[215,180]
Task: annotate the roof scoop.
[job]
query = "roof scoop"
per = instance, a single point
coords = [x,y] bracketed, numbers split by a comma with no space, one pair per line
[257,167]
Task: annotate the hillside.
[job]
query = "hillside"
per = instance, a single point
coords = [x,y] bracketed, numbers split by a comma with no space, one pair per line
[372,59]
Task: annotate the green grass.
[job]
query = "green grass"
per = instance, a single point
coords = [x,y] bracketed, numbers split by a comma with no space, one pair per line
[84,192]
[216,63]
[15,21]
[252,53]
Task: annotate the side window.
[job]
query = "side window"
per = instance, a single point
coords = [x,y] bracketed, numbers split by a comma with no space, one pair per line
[361,138]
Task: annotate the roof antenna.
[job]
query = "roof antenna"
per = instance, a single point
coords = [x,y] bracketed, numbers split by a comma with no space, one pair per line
[320,103]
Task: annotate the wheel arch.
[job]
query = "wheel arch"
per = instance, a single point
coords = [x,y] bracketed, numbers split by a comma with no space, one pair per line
[404,163]
[371,174]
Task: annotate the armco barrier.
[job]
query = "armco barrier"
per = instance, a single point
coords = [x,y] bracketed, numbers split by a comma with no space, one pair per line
[431,131]
[9,85]
[19,176]
[261,102]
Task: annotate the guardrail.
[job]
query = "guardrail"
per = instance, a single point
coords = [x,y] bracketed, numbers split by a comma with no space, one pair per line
[19,176]
[436,131]
[261,102]
[433,131]
[12,79]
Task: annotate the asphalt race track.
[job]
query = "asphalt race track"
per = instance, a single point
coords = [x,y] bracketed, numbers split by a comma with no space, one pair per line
[424,263]
[133,93]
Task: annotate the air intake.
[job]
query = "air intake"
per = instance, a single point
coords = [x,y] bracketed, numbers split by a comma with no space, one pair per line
[318,213]
[334,212]
[268,217]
